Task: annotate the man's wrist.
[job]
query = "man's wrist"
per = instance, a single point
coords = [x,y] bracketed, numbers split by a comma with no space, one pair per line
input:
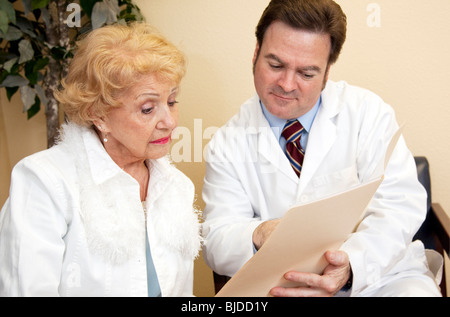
[349,283]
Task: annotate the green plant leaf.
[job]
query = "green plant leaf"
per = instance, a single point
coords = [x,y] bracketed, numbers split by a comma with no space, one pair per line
[58,52]
[41,93]
[13,34]
[30,74]
[87,6]
[26,51]
[34,109]
[26,6]
[46,17]
[26,26]
[9,64]
[114,9]
[3,23]
[105,12]
[38,4]
[14,81]
[10,91]
[32,69]
[27,94]
[40,64]
[8,8]
[99,15]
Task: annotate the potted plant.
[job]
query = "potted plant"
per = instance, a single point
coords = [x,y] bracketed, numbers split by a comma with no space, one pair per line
[38,38]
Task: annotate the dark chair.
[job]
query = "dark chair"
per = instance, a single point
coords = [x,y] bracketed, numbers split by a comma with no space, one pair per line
[434,232]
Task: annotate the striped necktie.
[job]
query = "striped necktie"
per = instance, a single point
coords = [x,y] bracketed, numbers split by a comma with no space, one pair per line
[292,132]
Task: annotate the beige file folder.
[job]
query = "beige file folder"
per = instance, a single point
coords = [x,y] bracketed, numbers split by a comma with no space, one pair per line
[302,237]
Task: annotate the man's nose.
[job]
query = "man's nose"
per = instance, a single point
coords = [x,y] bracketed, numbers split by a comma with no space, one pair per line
[287,81]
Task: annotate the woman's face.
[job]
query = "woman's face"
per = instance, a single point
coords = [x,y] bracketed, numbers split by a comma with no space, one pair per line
[141,128]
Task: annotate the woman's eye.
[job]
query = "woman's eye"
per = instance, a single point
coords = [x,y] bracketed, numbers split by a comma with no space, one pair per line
[147,110]
[172,103]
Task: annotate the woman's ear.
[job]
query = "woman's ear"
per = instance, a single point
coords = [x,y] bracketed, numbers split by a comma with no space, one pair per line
[101,125]
[102,129]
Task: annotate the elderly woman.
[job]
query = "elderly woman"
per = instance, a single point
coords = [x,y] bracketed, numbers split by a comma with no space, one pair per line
[104,213]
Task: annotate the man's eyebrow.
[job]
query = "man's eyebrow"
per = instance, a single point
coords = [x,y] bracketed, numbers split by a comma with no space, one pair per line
[274,57]
[312,68]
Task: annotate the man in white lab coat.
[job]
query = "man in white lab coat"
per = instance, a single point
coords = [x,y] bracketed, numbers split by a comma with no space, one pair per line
[250,182]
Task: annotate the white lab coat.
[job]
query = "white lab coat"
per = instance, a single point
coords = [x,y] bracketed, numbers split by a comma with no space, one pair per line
[74,225]
[249,180]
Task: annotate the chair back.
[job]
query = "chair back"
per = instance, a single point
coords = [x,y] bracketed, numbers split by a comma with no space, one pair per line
[423,173]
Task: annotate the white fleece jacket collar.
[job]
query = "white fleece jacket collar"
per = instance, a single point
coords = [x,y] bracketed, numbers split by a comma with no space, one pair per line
[110,204]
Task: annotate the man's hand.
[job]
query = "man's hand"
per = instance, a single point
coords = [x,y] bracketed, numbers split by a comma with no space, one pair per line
[263,231]
[334,277]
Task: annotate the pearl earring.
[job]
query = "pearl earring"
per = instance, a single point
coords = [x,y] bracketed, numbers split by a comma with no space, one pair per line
[105,138]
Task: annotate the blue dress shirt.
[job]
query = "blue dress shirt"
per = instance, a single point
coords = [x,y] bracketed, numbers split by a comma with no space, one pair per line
[152,279]
[278,124]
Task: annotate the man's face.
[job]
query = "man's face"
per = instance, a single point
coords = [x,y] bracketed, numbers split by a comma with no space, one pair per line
[291,69]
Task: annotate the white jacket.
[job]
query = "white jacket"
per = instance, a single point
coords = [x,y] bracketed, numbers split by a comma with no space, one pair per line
[249,180]
[74,225]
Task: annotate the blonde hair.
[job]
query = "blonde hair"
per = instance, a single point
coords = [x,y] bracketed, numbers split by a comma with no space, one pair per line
[108,62]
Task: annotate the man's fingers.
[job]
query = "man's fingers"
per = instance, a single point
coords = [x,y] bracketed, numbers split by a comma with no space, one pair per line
[308,279]
[297,292]
[337,258]
[310,285]
[263,232]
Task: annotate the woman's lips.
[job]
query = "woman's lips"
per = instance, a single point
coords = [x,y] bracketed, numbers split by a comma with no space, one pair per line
[161,141]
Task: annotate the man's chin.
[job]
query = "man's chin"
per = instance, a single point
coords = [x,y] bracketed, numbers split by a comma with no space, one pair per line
[282,110]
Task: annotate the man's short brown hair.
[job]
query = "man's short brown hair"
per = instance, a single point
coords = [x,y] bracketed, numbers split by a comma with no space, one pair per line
[321,16]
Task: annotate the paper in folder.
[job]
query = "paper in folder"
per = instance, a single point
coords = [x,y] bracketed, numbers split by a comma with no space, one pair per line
[302,237]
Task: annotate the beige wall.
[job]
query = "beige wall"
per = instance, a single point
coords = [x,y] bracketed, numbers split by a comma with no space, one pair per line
[4,160]
[400,53]
[397,48]
[19,137]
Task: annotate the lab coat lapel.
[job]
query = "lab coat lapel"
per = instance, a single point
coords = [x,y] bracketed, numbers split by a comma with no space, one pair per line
[271,157]
[321,138]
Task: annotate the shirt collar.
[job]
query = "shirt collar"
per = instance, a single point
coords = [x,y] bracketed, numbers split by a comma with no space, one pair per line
[277,124]
[101,164]
[104,168]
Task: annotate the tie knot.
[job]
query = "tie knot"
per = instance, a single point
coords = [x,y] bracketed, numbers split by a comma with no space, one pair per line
[292,131]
